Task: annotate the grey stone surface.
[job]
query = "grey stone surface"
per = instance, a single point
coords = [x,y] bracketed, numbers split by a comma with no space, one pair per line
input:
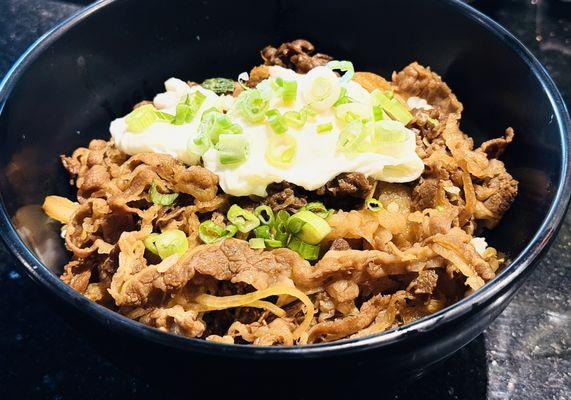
[524,354]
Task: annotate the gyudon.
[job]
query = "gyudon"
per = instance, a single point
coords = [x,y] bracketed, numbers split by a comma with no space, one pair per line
[302,203]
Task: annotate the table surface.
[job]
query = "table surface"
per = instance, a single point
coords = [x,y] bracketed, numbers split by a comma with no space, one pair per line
[524,354]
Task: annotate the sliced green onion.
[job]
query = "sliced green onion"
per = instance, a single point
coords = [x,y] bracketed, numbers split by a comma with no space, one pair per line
[352,137]
[187,109]
[309,112]
[244,220]
[294,225]
[305,250]
[265,214]
[318,208]
[219,85]
[373,205]
[262,232]
[323,128]
[391,106]
[321,88]
[232,148]
[287,90]
[167,243]
[141,118]
[230,230]
[350,111]
[281,150]
[282,216]
[313,228]
[295,119]
[344,66]
[252,105]
[213,124]
[209,232]
[276,121]
[162,199]
[257,243]
[273,243]
[343,98]
[165,117]
[282,233]
[378,113]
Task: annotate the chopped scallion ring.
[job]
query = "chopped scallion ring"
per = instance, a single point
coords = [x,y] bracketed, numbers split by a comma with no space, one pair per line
[324,128]
[307,251]
[273,243]
[391,105]
[162,199]
[265,214]
[257,243]
[373,204]
[281,150]
[141,118]
[167,243]
[262,232]
[318,208]
[252,105]
[276,121]
[312,228]
[244,220]
[344,66]
[232,148]
[295,119]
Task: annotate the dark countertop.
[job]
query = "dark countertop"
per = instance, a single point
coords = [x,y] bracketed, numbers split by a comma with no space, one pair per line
[524,354]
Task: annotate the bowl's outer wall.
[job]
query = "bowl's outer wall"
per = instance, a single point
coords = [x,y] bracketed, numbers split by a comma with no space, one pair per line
[104,64]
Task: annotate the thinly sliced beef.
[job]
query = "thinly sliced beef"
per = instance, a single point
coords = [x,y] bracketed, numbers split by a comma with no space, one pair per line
[233,260]
[418,81]
[297,55]
[350,184]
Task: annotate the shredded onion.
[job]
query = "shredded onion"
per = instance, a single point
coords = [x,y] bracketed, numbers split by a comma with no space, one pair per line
[252,300]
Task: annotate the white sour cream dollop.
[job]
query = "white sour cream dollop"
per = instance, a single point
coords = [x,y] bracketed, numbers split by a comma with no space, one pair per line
[316,161]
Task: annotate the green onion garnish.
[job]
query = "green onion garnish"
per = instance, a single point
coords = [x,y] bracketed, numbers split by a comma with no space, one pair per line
[219,85]
[344,66]
[257,243]
[281,150]
[295,119]
[188,108]
[287,89]
[162,199]
[244,220]
[353,136]
[273,243]
[281,233]
[232,148]
[276,121]
[282,216]
[318,208]
[262,232]
[141,118]
[373,204]
[378,113]
[167,243]
[265,214]
[343,98]
[252,105]
[307,251]
[312,228]
[391,106]
[323,128]
[213,124]
[209,232]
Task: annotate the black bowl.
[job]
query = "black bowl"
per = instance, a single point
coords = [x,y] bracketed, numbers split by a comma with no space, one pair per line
[68,86]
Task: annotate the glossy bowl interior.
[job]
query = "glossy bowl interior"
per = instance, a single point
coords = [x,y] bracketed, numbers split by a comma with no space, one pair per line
[93,68]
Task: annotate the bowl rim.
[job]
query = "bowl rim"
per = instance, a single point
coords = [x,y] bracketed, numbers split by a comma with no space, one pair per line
[522,262]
